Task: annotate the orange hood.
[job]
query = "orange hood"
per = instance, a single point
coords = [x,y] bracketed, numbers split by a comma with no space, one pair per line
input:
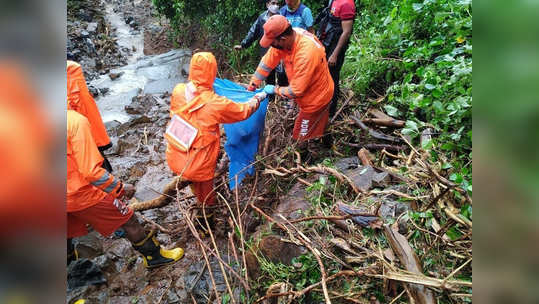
[203,70]
[74,72]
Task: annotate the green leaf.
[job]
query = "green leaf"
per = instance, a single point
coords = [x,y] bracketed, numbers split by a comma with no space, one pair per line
[453,233]
[437,93]
[447,166]
[417,6]
[410,124]
[429,86]
[391,110]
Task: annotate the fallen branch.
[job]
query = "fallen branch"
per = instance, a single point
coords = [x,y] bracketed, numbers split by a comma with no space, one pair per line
[318,169]
[372,133]
[411,263]
[365,157]
[425,281]
[154,224]
[378,147]
[203,246]
[395,123]
[164,198]
[379,114]
[342,107]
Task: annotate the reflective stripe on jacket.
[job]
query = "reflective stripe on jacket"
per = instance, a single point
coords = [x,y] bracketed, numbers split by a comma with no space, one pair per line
[311,85]
[87,182]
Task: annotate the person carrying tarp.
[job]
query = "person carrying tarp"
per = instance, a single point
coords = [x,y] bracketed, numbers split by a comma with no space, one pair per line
[193,133]
[80,100]
[95,197]
[311,86]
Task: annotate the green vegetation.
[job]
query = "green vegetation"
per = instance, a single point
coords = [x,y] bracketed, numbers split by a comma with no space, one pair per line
[418,56]
[411,58]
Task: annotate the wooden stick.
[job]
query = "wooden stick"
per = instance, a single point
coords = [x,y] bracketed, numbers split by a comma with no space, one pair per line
[164,198]
[372,133]
[385,122]
[342,107]
[379,114]
[365,157]
[424,280]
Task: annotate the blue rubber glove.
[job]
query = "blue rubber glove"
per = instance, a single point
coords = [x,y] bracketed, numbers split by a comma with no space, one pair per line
[269,89]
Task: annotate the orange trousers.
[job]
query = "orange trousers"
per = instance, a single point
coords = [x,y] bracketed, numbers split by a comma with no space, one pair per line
[204,192]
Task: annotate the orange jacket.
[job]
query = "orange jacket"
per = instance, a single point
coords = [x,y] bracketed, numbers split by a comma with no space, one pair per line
[87,182]
[205,112]
[80,100]
[311,85]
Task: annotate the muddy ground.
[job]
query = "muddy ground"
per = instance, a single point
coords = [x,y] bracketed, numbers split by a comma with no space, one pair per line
[131,67]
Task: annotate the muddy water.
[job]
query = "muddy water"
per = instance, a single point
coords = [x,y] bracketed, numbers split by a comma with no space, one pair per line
[154,74]
[125,36]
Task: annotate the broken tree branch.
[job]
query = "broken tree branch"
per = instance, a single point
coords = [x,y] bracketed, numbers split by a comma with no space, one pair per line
[342,107]
[164,198]
[410,261]
[395,123]
[372,133]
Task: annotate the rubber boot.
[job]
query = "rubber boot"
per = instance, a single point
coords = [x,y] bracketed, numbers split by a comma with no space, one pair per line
[72,253]
[154,255]
[200,223]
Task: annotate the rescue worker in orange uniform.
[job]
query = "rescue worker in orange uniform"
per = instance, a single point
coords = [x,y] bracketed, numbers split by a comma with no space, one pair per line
[80,100]
[95,197]
[311,86]
[196,103]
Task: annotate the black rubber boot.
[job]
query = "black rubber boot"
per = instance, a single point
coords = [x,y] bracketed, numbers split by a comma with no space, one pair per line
[154,255]
[200,223]
[72,254]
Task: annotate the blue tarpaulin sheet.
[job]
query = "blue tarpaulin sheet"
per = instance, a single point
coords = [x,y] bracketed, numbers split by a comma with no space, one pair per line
[242,137]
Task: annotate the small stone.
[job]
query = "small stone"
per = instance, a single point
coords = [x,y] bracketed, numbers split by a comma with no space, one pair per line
[84,34]
[91,27]
[114,76]
[93,91]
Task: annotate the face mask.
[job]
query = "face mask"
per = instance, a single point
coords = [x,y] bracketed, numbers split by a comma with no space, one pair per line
[274,8]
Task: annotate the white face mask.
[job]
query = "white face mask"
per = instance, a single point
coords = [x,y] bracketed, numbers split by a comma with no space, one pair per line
[273,8]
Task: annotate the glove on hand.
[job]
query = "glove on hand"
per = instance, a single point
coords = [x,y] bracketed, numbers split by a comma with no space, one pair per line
[269,89]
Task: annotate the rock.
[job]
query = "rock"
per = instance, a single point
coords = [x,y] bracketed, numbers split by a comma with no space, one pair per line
[129,19]
[91,46]
[89,246]
[111,126]
[278,251]
[120,248]
[344,164]
[365,176]
[93,91]
[84,272]
[393,209]
[140,105]
[253,268]
[172,297]
[84,34]
[185,70]
[103,262]
[85,16]
[114,76]
[294,204]
[104,91]
[91,27]
[202,288]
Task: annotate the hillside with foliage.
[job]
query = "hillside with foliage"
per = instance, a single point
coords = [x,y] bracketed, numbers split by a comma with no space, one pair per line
[410,60]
